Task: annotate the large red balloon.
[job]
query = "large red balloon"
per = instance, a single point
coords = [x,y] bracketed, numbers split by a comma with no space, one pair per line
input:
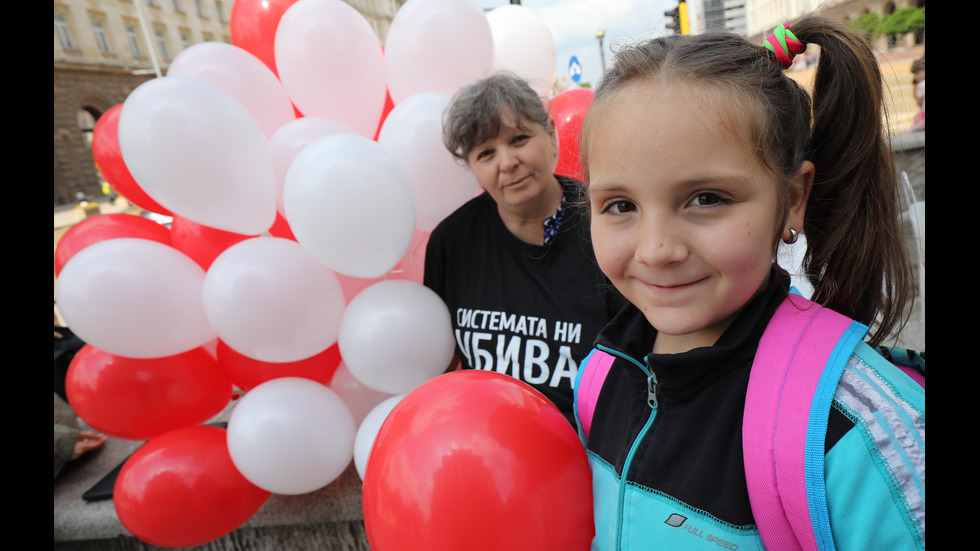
[138,399]
[253,25]
[106,226]
[477,460]
[248,373]
[108,157]
[182,489]
[568,109]
[202,243]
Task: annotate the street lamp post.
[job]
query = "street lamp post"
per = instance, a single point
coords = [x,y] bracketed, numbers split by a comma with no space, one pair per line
[146,35]
[602,52]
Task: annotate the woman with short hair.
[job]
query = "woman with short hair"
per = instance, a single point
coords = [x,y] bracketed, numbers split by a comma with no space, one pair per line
[515,265]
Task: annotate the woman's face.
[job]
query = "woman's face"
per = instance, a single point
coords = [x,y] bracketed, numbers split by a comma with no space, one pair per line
[516,166]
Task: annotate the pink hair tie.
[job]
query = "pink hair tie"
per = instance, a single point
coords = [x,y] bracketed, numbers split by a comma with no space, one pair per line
[784,44]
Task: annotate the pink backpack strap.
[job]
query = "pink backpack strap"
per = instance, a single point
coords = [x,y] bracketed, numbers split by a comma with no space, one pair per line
[794,376]
[591,375]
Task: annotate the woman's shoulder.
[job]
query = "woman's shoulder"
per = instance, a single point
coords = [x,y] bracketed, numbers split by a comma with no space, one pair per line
[574,189]
[469,213]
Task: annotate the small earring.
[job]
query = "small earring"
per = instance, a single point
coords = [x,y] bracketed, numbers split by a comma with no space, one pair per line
[793,236]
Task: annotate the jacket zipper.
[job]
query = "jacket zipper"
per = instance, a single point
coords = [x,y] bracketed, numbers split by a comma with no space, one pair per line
[654,403]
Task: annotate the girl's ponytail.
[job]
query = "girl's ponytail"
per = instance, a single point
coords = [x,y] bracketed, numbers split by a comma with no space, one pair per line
[856,255]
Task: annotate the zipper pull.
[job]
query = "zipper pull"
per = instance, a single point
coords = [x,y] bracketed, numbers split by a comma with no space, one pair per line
[652,391]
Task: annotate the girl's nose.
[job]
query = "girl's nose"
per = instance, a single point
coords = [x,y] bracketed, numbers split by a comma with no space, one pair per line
[659,242]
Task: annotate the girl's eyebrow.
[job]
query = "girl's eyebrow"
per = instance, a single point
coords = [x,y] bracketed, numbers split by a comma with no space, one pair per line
[605,188]
[693,183]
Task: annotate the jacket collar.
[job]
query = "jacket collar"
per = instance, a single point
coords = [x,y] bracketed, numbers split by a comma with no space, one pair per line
[630,334]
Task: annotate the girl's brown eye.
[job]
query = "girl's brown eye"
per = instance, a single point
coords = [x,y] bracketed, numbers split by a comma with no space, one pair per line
[618,207]
[706,200]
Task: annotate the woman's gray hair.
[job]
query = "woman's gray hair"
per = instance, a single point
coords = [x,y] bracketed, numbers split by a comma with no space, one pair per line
[473,115]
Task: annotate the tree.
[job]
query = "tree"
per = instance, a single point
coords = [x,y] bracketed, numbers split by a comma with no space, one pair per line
[904,20]
[900,21]
[868,24]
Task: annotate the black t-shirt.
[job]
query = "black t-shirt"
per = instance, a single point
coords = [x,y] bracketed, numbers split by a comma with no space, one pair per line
[529,311]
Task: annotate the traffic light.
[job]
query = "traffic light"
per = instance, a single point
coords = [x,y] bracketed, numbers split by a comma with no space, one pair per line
[677,19]
[673,20]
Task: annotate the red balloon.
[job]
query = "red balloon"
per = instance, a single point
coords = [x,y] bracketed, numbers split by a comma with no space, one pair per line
[280,228]
[477,460]
[568,109]
[389,105]
[202,243]
[138,399]
[249,373]
[106,226]
[181,489]
[253,25]
[109,159]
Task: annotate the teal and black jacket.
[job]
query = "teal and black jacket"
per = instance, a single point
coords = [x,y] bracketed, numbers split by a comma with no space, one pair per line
[665,444]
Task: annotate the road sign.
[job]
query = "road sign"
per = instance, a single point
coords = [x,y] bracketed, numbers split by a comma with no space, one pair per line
[574,69]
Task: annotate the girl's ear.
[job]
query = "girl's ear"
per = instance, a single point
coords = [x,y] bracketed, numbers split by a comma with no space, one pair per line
[799,193]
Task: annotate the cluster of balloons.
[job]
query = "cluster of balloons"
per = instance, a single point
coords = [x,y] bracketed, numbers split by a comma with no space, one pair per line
[304,169]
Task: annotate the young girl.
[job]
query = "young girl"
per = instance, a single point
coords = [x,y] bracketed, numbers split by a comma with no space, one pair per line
[701,155]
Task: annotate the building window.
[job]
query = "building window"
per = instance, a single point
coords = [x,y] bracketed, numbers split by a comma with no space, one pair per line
[221,12]
[134,42]
[208,37]
[101,38]
[184,41]
[200,8]
[161,44]
[177,7]
[64,36]
[152,3]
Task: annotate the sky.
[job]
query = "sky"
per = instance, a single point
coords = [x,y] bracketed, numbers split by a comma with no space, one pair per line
[574,25]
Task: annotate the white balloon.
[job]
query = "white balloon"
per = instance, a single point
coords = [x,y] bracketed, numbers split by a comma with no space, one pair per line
[330,62]
[412,133]
[524,45]
[437,46]
[200,154]
[242,77]
[350,204]
[291,436]
[289,140]
[135,298]
[368,431]
[268,299]
[360,399]
[396,335]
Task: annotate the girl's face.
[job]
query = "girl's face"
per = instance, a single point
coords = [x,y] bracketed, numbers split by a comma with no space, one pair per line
[683,212]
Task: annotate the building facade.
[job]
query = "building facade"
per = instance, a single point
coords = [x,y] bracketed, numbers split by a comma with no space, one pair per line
[754,19]
[764,15]
[722,15]
[104,49]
